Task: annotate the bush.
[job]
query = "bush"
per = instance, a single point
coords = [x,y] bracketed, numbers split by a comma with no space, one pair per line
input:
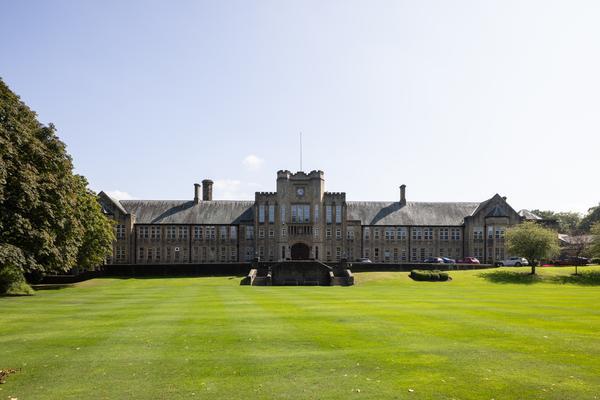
[595,260]
[435,275]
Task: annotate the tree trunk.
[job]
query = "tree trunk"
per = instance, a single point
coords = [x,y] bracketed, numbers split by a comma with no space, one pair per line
[533,268]
[575,268]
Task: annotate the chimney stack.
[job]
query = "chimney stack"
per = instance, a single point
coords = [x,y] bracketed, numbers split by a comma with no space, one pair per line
[207,190]
[402,195]
[196,193]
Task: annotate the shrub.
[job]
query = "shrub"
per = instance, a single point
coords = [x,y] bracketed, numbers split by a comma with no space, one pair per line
[595,260]
[435,275]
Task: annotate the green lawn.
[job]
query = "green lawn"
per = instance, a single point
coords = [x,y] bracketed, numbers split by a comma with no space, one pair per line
[385,338]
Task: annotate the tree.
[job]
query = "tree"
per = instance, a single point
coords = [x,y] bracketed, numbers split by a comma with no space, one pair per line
[98,229]
[568,221]
[579,245]
[532,241]
[40,218]
[595,245]
[592,216]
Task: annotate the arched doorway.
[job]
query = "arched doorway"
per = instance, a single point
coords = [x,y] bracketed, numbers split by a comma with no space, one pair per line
[300,251]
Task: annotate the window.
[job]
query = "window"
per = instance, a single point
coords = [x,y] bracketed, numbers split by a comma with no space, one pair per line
[211,232]
[284,231]
[403,255]
[478,251]
[223,254]
[261,251]
[316,213]
[428,233]
[249,253]
[442,252]
[120,231]
[376,253]
[233,232]
[183,232]
[317,252]
[413,254]
[389,233]
[350,234]
[300,213]
[367,233]
[376,233]
[157,254]
[443,233]
[170,232]
[316,231]
[142,232]
[141,253]
[271,233]
[499,253]
[120,254]
[328,216]
[222,232]
[478,233]
[155,233]
[149,257]
[271,214]
[338,253]
[416,234]
[386,254]
[395,254]
[338,233]
[168,254]
[338,214]
[249,232]
[490,234]
[261,214]
[500,233]
[367,253]
[455,234]
[401,233]
[328,233]
[422,253]
[282,213]
[233,253]
[261,233]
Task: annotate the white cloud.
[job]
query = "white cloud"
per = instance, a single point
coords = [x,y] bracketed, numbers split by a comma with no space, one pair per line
[233,189]
[253,162]
[119,195]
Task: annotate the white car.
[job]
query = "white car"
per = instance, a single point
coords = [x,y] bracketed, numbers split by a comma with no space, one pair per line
[513,262]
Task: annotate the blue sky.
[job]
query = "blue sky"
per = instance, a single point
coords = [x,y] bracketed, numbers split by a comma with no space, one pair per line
[458,100]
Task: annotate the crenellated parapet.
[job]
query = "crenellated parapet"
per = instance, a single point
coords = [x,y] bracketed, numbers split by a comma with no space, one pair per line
[300,175]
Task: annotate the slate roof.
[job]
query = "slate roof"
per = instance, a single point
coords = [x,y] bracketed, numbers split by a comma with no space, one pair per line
[186,212]
[529,215]
[413,213]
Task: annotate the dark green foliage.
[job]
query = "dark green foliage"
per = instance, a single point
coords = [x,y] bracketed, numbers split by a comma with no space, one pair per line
[423,275]
[592,217]
[44,208]
[595,260]
[568,222]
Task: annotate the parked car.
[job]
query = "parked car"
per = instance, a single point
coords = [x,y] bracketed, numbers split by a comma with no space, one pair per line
[570,261]
[448,260]
[364,261]
[468,260]
[513,262]
[433,260]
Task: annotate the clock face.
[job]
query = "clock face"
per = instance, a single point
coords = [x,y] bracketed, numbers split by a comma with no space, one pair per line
[300,191]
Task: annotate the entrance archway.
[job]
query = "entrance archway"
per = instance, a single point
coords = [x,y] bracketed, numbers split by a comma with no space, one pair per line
[300,251]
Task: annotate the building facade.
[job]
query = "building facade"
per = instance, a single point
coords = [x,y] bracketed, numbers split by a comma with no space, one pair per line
[300,220]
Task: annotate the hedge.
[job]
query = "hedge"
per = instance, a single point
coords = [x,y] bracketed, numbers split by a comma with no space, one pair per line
[435,275]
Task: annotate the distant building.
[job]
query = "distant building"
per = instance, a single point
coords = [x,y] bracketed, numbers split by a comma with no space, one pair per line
[300,220]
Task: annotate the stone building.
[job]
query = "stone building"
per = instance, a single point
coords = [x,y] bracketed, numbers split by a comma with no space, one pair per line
[300,220]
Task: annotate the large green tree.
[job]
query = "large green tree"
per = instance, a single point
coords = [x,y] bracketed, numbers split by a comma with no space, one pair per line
[592,216]
[568,221]
[532,241]
[595,244]
[42,211]
[98,233]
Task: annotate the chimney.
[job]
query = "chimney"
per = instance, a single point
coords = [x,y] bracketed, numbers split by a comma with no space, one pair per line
[196,193]
[402,195]
[207,190]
